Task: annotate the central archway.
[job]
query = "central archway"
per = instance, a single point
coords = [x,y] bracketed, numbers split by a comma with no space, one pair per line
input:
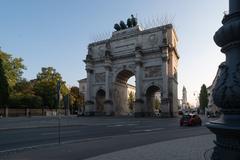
[123,91]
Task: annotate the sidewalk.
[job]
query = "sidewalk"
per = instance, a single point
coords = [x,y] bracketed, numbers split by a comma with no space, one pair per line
[192,148]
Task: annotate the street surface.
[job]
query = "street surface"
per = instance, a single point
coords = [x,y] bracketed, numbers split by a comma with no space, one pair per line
[98,135]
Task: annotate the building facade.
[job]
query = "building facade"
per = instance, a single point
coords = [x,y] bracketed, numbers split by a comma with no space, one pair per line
[150,55]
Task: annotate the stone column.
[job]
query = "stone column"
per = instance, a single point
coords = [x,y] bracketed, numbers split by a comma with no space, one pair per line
[165,107]
[89,104]
[226,93]
[108,104]
[138,109]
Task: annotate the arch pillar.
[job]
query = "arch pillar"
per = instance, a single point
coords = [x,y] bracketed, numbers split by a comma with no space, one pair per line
[89,104]
[139,102]
[165,102]
[108,104]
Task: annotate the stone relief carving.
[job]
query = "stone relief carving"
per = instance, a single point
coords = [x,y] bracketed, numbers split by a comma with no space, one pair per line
[100,77]
[152,71]
[131,67]
[152,39]
[101,50]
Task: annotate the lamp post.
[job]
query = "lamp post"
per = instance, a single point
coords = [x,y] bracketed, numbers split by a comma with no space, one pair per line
[59,116]
[226,93]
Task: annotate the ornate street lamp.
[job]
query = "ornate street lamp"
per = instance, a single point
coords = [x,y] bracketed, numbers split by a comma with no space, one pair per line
[226,93]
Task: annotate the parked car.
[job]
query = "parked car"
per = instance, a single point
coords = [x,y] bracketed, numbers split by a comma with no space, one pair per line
[180,112]
[190,120]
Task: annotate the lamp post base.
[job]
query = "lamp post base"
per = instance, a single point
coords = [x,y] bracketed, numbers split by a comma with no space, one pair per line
[227,130]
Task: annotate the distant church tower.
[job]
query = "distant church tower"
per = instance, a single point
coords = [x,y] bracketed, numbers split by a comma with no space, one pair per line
[184,98]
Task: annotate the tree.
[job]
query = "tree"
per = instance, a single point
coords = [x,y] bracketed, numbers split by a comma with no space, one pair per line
[4,87]
[203,98]
[25,100]
[76,98]
[156,104]
[131,101]
[23,95]
[45,86]
[13,68]
[24,87]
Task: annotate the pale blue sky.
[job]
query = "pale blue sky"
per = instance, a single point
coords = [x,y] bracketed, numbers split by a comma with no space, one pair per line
[56,33]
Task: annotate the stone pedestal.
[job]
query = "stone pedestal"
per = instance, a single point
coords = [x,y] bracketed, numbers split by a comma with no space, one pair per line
[89,106]
[138,112]
[165,107]
[108,108]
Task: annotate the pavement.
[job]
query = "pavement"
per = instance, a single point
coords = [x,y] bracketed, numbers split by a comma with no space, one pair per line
[192,148]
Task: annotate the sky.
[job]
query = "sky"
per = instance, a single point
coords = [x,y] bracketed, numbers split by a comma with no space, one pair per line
[57,32]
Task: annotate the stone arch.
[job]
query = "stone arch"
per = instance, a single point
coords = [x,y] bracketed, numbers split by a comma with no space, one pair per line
[99,99]
[120,96]
[153,96]
[152,83]
[129,68]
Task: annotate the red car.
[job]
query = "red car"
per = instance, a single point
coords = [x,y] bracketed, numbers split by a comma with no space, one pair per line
[190,120]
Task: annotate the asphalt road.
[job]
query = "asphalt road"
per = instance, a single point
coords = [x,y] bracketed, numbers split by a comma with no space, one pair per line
[98,135]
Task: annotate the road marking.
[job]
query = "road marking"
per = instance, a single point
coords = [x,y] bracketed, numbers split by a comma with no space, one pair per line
[144,126]
[62,132]
[54,144]
[146,130]
[132,124]
[121,125]
[25,148]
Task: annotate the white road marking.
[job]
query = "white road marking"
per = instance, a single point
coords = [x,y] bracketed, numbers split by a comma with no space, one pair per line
[62,132]
[146,130]
[132,124]
[121,125]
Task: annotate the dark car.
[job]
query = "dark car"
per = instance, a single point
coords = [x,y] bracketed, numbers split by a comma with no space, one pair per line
[190,120]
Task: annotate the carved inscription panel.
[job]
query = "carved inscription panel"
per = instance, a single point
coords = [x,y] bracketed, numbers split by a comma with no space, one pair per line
[100,77]
[152,71]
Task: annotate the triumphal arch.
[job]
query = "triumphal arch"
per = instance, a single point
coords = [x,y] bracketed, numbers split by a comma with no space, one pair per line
[150,55]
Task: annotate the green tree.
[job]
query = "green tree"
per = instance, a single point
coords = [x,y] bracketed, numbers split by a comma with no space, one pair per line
[76,98]
[4,87]
[23,95]
[13,68]
[24,87]
[131,101]
[203,98]
[45,86]
[25,100]
[156,103]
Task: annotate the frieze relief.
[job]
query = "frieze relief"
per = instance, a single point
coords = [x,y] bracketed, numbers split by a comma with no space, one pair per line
[100,77]
[152,39]
[152,71]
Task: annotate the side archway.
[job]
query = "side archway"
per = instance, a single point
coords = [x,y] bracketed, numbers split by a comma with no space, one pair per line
[100,98]
[153,99]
